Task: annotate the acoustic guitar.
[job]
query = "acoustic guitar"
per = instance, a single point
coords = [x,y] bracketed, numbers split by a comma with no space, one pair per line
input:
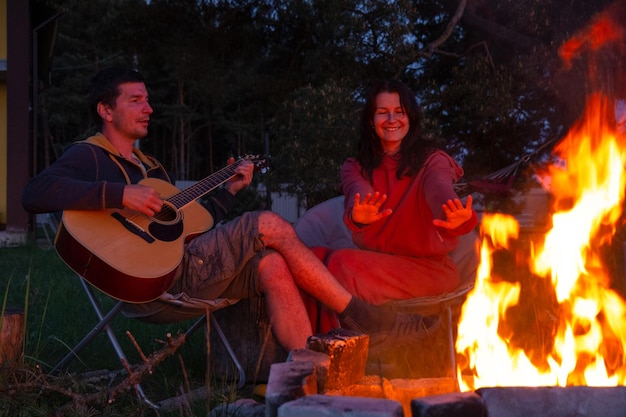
[133,257]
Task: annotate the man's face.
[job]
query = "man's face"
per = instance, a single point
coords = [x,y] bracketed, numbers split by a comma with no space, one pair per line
[131,115]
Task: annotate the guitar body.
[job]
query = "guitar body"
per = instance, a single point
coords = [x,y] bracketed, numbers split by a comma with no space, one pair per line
[125,254]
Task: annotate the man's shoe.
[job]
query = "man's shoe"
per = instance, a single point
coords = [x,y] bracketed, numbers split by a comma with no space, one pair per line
[408,329]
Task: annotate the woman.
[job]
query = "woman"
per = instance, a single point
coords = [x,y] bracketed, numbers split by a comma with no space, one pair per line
[400,205]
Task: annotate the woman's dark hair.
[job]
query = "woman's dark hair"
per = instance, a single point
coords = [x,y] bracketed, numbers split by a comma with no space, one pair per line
[414,149]
[104,88]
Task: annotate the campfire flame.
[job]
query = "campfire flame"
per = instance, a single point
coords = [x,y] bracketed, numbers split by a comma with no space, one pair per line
[584,318]
[550,318]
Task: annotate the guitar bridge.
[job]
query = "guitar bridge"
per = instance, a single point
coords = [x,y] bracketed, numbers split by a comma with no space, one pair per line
[132,227]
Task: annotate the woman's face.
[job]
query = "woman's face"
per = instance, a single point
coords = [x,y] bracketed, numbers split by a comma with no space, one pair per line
[390,121]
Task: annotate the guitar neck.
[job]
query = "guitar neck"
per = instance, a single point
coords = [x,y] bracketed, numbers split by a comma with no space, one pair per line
[204,186]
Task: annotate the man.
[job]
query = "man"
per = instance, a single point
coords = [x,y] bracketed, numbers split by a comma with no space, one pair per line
[257,253]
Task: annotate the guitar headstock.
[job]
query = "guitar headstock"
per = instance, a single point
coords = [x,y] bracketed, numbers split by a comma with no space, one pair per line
[260,163]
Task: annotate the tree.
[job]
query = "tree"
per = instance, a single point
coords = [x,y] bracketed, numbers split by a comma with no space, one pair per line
[229,77]
[313,141]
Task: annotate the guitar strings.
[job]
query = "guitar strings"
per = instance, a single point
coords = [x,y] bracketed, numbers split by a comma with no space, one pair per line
[190,194]
[206,185]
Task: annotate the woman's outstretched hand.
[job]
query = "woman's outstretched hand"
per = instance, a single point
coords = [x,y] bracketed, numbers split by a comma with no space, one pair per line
[367,211]
[455,213]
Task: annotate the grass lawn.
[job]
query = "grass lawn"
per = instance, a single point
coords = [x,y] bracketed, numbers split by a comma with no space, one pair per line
[57,315]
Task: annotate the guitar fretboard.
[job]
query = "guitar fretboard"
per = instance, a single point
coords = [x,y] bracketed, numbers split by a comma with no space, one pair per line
[204,186]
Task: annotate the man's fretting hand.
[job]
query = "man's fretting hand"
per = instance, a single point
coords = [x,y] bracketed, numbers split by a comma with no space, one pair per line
[455,213]
[367,211]
[142,198]
[244,173]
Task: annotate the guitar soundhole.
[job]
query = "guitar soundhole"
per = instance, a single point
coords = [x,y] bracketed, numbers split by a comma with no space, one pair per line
[167,224]
[167,214]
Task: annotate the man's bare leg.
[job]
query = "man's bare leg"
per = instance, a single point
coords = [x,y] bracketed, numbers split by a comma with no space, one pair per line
[307,270]
[286,311]
[310,274]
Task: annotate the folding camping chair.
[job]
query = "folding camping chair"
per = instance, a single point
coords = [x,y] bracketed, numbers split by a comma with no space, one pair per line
[106,317]
[323,225]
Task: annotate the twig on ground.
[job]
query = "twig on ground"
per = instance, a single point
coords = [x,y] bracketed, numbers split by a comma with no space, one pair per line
[42,383]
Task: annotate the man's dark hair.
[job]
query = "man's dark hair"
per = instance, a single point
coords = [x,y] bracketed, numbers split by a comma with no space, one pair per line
[104,88]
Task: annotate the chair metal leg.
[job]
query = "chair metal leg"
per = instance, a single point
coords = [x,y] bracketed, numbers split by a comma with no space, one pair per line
[112,338]
[98,309]
[103,324]
[98,328]
[231,352]
[215,325]
[451,348]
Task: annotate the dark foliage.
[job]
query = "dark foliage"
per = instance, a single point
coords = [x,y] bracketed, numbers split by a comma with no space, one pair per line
[284,77]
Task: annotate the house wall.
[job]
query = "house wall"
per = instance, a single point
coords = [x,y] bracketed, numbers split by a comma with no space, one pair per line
[3,112]
[15,165]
